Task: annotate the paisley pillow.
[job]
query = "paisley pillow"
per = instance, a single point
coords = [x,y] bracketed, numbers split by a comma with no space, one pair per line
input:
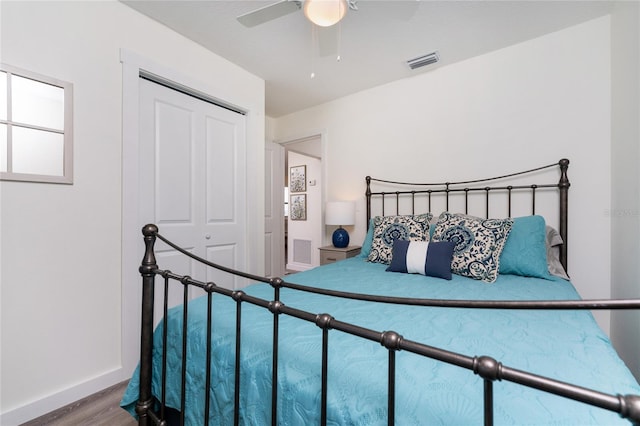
[387,229]
[478,243]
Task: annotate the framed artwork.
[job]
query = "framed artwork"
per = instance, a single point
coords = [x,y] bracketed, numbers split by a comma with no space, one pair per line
[298,179]
[298,207]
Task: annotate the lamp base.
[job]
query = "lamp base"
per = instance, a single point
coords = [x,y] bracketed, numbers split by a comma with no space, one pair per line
[340,238]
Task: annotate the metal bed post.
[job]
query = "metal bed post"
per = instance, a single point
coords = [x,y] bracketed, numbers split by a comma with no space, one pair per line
[237,296]
[207,394]
[275,307]
[368,198]
[324,322]
[392,341]
[564,210]
[185,323]
[165,333]
[490,370]
[147,269]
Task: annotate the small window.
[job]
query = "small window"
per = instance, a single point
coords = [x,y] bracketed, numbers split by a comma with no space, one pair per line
[36,116]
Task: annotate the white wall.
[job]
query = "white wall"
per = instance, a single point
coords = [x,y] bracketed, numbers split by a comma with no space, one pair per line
[520,107]
[61,244]
[625,197]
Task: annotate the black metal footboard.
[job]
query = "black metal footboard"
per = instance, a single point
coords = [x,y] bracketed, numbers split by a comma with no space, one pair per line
[152,411]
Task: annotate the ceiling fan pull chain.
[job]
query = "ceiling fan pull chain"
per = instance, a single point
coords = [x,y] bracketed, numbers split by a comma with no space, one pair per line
[314,49]
[339,56]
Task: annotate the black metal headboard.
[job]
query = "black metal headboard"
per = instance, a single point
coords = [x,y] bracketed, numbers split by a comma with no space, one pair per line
[405,201]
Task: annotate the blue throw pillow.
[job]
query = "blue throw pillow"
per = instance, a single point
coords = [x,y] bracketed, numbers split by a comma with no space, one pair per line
[525,251]
[422,257]
[432,229]
[368,241]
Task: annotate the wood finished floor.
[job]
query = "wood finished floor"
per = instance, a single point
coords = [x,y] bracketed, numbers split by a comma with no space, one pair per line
[100,409]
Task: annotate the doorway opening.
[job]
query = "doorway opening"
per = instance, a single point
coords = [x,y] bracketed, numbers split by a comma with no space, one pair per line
[304,198]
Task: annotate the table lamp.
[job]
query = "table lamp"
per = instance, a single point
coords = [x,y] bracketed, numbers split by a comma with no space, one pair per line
[340,213]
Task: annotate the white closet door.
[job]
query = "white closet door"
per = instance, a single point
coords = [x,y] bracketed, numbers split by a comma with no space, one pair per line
[192,181]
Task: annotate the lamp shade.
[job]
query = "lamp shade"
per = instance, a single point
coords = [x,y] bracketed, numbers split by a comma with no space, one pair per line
[325,13]
[340,213]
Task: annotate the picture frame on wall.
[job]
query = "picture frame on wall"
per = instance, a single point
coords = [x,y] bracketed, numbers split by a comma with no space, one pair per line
[298,207]
[298,179]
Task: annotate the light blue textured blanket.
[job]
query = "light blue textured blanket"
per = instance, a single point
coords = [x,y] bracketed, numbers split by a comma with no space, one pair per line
[566,345]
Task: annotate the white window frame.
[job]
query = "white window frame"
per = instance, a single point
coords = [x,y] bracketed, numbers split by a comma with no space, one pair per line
[67,132]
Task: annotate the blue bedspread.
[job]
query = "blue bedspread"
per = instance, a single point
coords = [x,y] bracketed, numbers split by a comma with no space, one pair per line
[566,345]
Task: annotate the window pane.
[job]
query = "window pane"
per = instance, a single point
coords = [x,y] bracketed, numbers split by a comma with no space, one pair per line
[37,152]
[36,103]
[3,95]
[3,147]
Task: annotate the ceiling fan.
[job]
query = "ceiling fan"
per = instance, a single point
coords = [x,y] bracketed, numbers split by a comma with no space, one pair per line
[324,13]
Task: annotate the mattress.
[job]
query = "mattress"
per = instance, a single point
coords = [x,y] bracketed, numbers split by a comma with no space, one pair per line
[565,345]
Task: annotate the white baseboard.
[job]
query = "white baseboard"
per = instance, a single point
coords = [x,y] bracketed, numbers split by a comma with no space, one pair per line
[57,400]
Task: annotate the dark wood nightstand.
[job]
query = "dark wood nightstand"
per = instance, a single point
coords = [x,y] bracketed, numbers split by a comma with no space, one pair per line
[330,254]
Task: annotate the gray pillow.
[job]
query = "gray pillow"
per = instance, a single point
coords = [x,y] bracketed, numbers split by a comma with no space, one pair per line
[553,241]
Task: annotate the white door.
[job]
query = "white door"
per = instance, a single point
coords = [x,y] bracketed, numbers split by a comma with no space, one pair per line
[192,181]
[274,210]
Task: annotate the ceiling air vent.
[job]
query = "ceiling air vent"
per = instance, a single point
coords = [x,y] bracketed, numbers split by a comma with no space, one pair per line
[424,60]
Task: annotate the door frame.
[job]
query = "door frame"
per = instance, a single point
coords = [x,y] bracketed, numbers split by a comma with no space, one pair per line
[132,243]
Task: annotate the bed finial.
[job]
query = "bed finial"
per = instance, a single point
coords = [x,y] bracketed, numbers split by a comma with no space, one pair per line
[147,269]
[391,340]
[564,165]
[630,408]
[149,260]
[276,282]
[149,229]
[488,368]
[324,321]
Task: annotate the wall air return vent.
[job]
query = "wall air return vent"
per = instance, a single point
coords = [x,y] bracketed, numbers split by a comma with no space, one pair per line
[302,251]
[424,60]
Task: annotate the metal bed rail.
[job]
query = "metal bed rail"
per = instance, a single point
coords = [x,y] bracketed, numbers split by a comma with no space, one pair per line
[490,369]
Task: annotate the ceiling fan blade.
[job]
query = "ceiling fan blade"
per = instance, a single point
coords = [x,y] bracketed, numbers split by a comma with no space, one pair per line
[269,12]
[327,40]
[403,10]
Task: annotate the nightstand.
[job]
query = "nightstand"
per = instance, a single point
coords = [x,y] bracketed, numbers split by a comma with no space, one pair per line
[330,254]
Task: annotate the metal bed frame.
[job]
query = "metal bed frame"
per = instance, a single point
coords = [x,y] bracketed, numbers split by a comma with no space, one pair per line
[153,411]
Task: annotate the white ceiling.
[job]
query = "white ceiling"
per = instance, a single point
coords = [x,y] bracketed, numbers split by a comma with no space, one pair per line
[375,41]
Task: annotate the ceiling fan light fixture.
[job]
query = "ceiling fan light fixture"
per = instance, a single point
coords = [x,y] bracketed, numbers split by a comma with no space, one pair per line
[325,13]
